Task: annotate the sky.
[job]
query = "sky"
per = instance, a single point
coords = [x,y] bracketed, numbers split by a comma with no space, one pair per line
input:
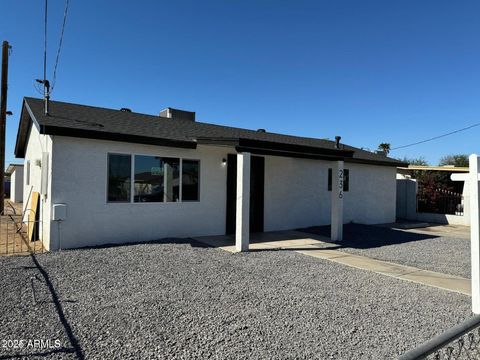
[371,71]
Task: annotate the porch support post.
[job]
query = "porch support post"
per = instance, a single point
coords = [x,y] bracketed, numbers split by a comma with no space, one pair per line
[337,202]
[242,235]
[474,230]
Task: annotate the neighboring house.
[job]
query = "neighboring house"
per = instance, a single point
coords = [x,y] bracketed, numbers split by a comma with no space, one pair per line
[130,177]
[448,207]
[16,182]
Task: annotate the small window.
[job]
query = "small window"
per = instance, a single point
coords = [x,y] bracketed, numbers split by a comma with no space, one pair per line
[156,179]
[346,179]
[119,177]
[190,177]
[28,172]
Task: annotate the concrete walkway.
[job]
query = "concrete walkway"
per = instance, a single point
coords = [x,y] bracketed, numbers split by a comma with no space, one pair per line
[314,245]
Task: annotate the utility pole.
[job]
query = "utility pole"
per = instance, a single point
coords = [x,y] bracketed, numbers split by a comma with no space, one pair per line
[3,120]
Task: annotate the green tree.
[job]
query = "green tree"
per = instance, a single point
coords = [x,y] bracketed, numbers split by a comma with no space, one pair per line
[459,160]
[385,147]
[420,161]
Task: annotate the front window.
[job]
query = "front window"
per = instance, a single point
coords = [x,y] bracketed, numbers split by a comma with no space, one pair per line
[119,177]
[190,183]
[156,179]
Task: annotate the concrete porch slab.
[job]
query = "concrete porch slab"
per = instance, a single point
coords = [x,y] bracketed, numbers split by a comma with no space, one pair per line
[312,245]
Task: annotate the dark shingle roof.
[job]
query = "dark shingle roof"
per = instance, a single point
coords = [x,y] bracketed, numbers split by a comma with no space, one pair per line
[95,122]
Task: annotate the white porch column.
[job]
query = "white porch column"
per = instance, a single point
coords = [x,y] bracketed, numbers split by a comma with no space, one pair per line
[337,202]
[474,231]
[242,232]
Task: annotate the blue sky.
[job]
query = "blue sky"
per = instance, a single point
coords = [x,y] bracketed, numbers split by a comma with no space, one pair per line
[370,71]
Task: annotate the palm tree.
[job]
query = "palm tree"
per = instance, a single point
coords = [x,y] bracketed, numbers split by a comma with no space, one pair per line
[385,147]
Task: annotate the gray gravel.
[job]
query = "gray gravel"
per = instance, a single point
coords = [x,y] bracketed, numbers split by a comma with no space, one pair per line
[445,254]
[177,300]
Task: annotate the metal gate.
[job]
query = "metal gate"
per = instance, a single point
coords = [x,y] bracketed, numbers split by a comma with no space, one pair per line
[18,234]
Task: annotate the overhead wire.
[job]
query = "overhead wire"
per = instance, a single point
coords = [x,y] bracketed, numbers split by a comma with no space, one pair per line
[436,137]
[60,44]
[45,42]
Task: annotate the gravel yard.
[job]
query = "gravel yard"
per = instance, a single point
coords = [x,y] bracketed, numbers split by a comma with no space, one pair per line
[175,299]
[446,254]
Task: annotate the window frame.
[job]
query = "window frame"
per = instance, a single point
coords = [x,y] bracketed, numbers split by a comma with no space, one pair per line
[132,179]
[107,178]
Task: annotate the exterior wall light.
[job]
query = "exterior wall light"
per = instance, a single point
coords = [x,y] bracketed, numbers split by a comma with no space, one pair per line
[224,161]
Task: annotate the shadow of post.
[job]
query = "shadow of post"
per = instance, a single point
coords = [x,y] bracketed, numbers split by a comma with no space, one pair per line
[58,306]
[369,236]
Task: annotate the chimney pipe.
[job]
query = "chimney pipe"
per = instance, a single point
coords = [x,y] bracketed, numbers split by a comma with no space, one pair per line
[337,142]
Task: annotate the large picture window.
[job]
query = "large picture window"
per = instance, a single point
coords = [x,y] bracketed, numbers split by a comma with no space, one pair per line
[190,177]
[119,177]
[156,179]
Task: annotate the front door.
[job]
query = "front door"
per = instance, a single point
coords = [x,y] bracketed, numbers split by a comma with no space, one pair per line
[257,183]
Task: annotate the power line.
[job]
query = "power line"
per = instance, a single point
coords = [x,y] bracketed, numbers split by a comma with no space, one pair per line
[60,44]
[45,42]
[436,137]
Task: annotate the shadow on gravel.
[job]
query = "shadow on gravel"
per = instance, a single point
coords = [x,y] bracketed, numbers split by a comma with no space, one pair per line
[39,354]
[369,236]
[176,241]
[76,349]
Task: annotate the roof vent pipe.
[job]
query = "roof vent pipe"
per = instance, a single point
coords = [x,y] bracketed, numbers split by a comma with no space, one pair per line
[46,93]
[337,142]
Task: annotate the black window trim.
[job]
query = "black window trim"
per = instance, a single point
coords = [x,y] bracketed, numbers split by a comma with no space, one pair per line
[107,180]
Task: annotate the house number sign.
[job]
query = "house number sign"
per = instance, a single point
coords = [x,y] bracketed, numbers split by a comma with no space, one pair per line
[340,183]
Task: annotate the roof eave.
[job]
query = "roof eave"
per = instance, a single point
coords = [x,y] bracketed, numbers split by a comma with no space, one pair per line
[101,135]
[394,164]
[26,120]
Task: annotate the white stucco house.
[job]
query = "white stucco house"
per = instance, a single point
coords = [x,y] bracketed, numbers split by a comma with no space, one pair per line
[16,182]
[115,176]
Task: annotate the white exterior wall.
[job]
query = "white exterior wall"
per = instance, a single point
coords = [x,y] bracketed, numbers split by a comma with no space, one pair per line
[372,195]
[80,182]
[296,193]
[36,145]
[16,185]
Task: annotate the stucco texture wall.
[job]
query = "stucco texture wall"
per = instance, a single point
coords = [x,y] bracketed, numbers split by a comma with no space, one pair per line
[80,182]
[16,190]
[296,193]
[36,145]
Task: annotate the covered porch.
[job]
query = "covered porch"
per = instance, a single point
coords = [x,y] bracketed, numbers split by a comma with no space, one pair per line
[244,240]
